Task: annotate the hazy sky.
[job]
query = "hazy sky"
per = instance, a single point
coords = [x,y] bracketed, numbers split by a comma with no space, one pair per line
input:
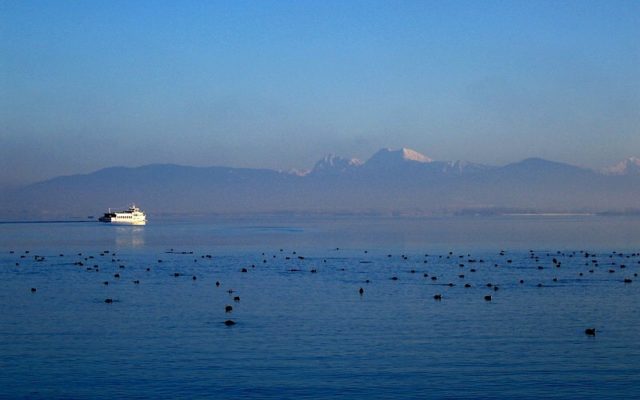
[278,84]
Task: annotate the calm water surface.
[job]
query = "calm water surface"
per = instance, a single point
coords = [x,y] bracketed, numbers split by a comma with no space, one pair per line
[301,334]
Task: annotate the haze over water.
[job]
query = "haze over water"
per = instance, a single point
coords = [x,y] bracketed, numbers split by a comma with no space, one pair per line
[305,334]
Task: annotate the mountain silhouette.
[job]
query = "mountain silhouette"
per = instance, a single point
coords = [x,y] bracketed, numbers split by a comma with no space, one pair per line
[391,182]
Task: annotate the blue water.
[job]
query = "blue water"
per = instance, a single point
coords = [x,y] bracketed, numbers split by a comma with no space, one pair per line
[300,334]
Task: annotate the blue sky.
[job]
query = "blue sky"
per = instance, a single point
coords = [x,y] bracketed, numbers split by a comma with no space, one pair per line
[278,84]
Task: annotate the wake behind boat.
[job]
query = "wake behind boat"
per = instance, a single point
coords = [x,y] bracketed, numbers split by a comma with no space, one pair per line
[131,216]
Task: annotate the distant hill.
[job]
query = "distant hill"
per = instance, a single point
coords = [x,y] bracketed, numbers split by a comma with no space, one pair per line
[390,182]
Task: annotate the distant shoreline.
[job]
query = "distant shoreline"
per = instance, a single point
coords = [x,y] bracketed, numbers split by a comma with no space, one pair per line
[260,216]
[46,222]
[549,214]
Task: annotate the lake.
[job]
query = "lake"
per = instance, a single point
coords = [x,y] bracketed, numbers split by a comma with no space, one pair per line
[421,328]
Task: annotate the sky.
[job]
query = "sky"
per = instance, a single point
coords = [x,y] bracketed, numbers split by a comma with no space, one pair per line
[279,84]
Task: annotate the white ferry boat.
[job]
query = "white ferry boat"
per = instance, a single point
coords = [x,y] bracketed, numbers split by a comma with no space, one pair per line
[132,216]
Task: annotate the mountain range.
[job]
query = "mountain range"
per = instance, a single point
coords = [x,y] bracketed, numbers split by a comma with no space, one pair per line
[390,182]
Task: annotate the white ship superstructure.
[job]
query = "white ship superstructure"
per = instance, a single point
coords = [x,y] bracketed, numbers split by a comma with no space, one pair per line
[131,216]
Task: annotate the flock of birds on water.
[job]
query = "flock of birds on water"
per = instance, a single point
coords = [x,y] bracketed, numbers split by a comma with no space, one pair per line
[613,262]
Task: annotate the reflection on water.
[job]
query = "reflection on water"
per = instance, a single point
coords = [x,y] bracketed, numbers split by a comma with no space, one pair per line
[470,233]
[304,328]
[129,236]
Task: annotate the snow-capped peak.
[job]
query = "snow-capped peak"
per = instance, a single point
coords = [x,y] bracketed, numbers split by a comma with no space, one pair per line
[413,155]
[463,167]
[629,166]
[298,172]
[403,155]
[335,163]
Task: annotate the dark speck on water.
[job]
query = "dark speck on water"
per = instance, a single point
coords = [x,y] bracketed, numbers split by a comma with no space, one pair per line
[441,330]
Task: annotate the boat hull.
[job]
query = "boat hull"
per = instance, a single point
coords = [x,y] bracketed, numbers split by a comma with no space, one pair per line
[123,222]
[132,216]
